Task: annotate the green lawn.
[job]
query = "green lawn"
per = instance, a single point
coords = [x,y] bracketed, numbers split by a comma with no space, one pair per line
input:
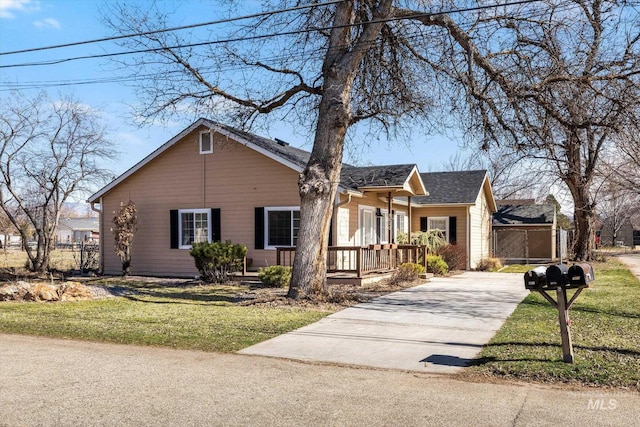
[605,328]
[189,317]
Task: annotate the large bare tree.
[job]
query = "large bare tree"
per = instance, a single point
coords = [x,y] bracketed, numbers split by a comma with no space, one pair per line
[557,82]
[49,151]
[540,79]
[326,67]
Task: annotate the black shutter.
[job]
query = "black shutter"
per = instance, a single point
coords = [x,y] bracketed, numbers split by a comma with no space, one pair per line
[259,228]
[215,225]
[424,223]
[175,239]
[452,230]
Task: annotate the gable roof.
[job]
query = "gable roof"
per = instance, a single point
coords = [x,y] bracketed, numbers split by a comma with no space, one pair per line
[282,152]
[460,187]
[353,178]
[524,215]
[397,178]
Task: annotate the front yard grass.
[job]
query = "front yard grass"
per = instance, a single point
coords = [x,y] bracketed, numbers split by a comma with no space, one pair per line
[605,329]
[191,316]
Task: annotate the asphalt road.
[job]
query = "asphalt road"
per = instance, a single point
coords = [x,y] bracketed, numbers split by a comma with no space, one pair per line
[47,382]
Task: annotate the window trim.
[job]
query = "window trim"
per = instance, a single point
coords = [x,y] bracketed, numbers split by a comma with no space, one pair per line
[440,218]
[210,150]
[268,209]
[193,211]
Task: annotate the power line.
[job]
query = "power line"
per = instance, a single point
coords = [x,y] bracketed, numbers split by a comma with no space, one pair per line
[263,36]
[184,27]
[231,67]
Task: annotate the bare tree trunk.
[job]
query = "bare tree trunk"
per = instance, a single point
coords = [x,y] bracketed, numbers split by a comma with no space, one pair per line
[319,181]
[318,185]
[583,220]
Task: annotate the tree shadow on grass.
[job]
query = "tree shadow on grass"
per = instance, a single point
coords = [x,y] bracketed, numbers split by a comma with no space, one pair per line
[490,359]
[583,309]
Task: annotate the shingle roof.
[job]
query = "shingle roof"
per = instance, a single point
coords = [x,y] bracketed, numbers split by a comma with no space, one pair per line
[375,176]
[277,147]
[524,215]
[451,187]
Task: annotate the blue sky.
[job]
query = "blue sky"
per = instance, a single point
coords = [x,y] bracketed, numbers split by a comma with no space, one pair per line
[28,24]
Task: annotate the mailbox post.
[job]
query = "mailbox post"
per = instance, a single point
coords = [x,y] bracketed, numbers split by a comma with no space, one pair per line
[560,278]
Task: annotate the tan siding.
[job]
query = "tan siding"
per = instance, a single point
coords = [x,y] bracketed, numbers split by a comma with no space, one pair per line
[234,178]
[480,218]
[352,232]
[460,212]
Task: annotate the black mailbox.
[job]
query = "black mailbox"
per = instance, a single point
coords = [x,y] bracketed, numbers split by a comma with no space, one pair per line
[536,278]
[580,275]
[557,276]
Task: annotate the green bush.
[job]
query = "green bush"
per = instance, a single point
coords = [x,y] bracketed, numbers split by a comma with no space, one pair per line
[216,260]
[436,265]
[275,276]
[433,239]
[489,264]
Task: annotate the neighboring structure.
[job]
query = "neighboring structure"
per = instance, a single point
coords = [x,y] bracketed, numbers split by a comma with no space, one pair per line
[213,182]
[78,230]
[526,232]
[627,235]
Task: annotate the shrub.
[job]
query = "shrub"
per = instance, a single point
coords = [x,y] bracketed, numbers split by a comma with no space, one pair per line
[275,276]
[216,260]
[407,272]
[436,265]
[433,239]
[454,256]
[489,264]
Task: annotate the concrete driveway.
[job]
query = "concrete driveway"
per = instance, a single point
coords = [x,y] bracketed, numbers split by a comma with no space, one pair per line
[439,326]
[633,262]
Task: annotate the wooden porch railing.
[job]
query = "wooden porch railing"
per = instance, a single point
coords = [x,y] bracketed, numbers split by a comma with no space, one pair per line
[362,260]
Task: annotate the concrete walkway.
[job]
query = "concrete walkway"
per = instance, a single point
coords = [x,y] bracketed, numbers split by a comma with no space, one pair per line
[437,327]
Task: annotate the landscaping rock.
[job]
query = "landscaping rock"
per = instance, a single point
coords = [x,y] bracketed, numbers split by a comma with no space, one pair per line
[42,292]
[25,291]
[14,291]
[74,291]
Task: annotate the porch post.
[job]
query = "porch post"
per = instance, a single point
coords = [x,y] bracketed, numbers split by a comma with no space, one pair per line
[390,218]
[409,219]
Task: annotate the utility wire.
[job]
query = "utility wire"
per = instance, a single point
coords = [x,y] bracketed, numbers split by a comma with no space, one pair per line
[263,36]
[9,86]
[184,27]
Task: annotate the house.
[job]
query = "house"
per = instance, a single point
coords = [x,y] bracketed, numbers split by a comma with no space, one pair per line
[213,182]
[77,230]
[461,204]
[627,233]
[526,232]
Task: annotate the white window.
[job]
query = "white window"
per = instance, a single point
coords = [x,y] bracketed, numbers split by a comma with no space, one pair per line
[367,226]
[384,226]
[401,224]
[281,226]
[206,142]
[439,223]
[194,226]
